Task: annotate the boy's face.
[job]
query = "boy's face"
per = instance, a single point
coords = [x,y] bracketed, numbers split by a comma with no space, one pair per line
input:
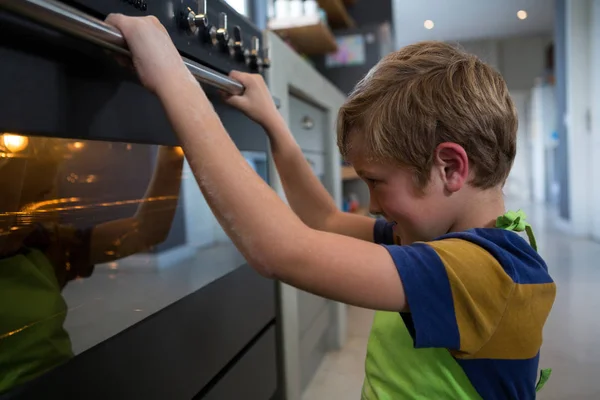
[420,214]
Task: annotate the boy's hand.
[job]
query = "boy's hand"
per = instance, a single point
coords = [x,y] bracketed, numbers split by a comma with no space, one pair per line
[256,102]
[155,58]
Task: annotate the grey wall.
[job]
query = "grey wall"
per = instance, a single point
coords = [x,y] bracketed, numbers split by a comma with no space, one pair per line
[520,59]
[345,78]
[372,18]
[371,12]
[560,68]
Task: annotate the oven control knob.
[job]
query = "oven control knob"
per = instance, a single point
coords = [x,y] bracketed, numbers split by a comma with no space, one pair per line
[236,45]
[252,55]
[195,22]
[266,61]
[219,35]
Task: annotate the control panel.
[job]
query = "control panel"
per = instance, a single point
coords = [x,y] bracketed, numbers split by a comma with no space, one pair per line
[209,32]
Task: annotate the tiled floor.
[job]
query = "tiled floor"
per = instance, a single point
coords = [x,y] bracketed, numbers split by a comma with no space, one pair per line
[572,334]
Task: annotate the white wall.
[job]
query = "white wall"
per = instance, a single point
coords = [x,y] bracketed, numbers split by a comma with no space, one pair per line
[518,184]
[542,125]
[487,50]
[521,61]
[578,98]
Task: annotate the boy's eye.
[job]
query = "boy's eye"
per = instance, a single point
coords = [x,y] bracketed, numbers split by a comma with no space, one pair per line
[372,182]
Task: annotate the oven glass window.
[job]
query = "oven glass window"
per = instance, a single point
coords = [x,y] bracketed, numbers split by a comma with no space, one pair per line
[94,237]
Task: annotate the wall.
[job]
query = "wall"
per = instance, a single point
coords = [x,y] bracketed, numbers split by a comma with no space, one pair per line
[595,118]
[560,74]
[373,21]
[520,59]
[518,186]
[346,77]
[371,12]
[578,25]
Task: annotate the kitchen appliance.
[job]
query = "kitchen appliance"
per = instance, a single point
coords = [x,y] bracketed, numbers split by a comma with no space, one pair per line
[116,280]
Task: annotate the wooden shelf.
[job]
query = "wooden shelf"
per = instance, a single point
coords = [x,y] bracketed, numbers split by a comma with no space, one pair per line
[349,173]
[337,14]
[306,34]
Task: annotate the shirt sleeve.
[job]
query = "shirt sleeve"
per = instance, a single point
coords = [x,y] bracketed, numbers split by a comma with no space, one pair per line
[457,293]
[383,232]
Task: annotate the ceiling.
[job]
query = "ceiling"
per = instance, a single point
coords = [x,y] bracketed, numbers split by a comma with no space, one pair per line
[462,20]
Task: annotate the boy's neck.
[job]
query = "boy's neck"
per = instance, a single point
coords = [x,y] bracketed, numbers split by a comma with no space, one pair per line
[480,211]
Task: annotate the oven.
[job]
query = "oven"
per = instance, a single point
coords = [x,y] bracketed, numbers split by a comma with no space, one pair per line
[116,280]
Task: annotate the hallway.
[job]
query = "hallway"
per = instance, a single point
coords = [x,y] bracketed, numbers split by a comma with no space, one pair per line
[572,334]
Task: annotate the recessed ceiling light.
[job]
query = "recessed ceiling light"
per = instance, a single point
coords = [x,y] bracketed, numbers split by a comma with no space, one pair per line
[522,14]
[428,24]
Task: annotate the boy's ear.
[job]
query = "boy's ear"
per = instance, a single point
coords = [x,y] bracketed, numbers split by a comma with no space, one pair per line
[452,162]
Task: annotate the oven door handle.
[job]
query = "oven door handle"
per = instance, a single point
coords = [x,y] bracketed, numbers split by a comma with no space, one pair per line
[72,21]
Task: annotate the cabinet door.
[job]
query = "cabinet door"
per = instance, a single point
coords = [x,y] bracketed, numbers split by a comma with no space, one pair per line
[307,124]
[314,344]
[253,377]
[317,163]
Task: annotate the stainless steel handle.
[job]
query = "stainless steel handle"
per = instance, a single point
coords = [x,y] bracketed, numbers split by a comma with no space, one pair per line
[69,20]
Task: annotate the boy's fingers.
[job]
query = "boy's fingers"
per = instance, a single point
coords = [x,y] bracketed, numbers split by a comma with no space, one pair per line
[242,77]
[116,20]
[234,101]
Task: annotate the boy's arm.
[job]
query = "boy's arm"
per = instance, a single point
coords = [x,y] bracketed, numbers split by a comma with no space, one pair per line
[305,193]
[271,237]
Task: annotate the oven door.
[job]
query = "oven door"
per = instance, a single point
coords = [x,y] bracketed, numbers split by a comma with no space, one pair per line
[116,280]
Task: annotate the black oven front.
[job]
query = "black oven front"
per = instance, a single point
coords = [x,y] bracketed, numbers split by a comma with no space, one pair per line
[116,280]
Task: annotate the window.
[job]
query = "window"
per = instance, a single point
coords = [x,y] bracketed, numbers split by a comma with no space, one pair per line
[240,6]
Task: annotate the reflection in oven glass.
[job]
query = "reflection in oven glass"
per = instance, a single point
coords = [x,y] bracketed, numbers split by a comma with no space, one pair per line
[94,237]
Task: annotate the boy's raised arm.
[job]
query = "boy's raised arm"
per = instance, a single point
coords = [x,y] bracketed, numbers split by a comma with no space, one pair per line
[305,193]
[271,237]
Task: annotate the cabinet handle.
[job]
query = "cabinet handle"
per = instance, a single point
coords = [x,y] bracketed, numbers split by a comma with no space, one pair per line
[308,123]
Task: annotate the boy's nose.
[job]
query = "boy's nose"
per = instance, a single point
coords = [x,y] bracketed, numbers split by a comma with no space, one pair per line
[374,207]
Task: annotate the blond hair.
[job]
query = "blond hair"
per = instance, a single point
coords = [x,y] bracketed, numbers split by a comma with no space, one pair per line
[426,94]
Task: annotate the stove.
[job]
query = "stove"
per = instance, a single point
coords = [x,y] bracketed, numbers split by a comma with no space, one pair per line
[116,281]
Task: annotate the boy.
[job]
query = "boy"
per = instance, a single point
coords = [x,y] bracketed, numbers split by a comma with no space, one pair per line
[461,302]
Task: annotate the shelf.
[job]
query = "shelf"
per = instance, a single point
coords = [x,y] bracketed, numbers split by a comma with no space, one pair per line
[337,14]
[307,35]
[349,173]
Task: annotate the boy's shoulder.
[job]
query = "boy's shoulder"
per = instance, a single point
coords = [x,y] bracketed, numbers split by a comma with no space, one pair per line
[517,258]
[488,248]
